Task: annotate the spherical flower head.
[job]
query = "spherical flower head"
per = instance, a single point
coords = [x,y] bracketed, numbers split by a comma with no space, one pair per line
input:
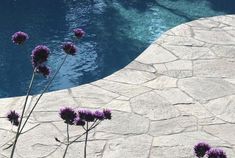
[44,70]
[13,117]
[86,115]
[201,148]
[79,122]
[19,37]
[69,48]
[216,153]
[107,114]
[40,55]
[79,33]
[99,115]
[68,115]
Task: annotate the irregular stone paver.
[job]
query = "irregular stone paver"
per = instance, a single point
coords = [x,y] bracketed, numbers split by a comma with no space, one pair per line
[175,96]
[172,126]
[198,110]
[125,123]
[190,53]
[224,51]
[133,146]
[162,82]
[204,89]
[153,106]
[131,76]
[214,37]
[220,130]
[179,91]
[155,54]
[225,112]
[214,68]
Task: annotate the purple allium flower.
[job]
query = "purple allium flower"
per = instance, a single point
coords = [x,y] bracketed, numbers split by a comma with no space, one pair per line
[79,33]
[40,55]
[107,114]
[86,115]
[99,115]
[79,122]
[68,115]
[69,48]
[216,153]
[201,148]
[44,70]
[13,117]
[19,37]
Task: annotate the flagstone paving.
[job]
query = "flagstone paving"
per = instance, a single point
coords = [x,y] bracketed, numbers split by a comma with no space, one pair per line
[179,91]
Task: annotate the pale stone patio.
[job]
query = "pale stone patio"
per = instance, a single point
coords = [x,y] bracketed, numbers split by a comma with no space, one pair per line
[179,91]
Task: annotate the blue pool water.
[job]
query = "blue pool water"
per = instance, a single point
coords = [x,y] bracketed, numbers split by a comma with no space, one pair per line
[117,31]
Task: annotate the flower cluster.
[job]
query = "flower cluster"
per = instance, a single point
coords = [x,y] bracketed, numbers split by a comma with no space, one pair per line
[79,33]
[44,70]
[216,153]
[201,149]
[19,37]
[13,117]
[69,48]
[39,56]
[70,116]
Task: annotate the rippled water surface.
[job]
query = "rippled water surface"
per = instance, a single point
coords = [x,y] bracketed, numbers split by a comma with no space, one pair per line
[117,32]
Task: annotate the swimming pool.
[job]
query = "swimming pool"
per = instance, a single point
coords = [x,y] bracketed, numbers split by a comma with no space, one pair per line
[117,31]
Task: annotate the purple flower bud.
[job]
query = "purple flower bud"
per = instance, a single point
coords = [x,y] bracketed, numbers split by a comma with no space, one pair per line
[107,114]
[13,117]
[69,48]
[201,148]
[40,55]
[86,115]
[99,115]
[79,33]
[44,70]
[216,153]
[79,122]
[19,37]
[68,115]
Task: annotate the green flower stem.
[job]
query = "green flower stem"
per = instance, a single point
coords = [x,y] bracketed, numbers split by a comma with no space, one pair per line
[67,146]
[45,89]
[22,114]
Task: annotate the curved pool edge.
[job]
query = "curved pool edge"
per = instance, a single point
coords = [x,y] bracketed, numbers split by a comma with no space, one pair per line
[182,87]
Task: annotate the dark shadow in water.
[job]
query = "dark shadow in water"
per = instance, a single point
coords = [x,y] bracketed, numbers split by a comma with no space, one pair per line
[176,12]
[140,5]
[115,48]
[145,5]
[226,6]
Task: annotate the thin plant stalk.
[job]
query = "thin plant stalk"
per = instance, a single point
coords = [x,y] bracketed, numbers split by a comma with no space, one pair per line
[92,127]
[87,129]
[85,146]
[45,89]
[67,145]
[22,114]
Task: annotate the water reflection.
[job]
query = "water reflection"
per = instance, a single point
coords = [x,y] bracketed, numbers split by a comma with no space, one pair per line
[117,32]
